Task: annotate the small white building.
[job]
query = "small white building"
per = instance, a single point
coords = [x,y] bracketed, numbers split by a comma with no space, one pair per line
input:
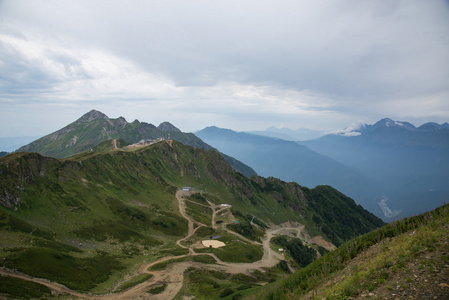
[186,189]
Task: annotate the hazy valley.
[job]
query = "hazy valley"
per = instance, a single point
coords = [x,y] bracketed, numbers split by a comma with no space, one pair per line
[393,169]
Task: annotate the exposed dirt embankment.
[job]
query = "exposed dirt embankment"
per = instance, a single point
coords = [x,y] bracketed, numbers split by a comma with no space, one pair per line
[320,241]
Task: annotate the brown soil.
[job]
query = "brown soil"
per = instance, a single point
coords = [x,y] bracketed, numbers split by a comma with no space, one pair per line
[320,241]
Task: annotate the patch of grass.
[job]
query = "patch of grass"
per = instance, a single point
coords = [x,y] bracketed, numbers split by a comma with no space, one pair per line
[245,227]
[301,254]
[134,281]
[157,290]
[199,198]
[129,215]
[199,213]
[203,282]
[243,278]
[15,288]
[55,245]
[174,252]
[163,265]
[226,292]
[170,224]
[283,265]
[205,259]
[10,222]
[205,231]
[103,230]
[76,273]
[236,251]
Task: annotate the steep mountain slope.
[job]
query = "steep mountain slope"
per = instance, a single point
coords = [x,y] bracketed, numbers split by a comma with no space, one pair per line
[95,127]
[87,220]
[411,164]
[292,162]
[402,260]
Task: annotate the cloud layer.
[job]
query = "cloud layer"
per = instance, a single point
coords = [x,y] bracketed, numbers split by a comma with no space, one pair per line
[242,65]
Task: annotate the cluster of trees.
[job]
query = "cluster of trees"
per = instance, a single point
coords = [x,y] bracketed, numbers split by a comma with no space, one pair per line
[337,215]
[302,254]
[245,228]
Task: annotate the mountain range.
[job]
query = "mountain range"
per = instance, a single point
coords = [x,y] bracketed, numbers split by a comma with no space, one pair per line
[290,161]
[411,164]
[284,133]
[391,168]
[95,127]
[130,220]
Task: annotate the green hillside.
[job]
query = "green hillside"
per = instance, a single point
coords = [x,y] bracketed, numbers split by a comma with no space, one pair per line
[95,127]
[404,259]
[89,221]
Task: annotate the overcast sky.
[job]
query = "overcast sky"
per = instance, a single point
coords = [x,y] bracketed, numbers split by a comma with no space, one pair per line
[243,65]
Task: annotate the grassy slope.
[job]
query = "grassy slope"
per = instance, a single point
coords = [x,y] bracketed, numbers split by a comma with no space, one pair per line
[94,128]
[113,209]
[380,263]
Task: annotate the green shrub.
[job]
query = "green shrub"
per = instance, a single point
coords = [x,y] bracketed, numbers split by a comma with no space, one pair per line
[22,289]
[134,281]
[226,292]
[76,273]
[283,265]
[157,290]
[116,230]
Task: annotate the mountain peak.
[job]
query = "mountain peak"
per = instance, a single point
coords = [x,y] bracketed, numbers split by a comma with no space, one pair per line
[92,115]
[166,126]
[387,122]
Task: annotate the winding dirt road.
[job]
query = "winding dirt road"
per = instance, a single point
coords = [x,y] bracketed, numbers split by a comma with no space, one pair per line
[173,277]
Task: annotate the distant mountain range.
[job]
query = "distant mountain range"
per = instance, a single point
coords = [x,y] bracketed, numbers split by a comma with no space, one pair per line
[288,134]
[95,127]
[292,162]
[391,168]
[410,163]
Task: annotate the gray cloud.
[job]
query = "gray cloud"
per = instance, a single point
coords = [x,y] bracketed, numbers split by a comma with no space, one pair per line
[316,64]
